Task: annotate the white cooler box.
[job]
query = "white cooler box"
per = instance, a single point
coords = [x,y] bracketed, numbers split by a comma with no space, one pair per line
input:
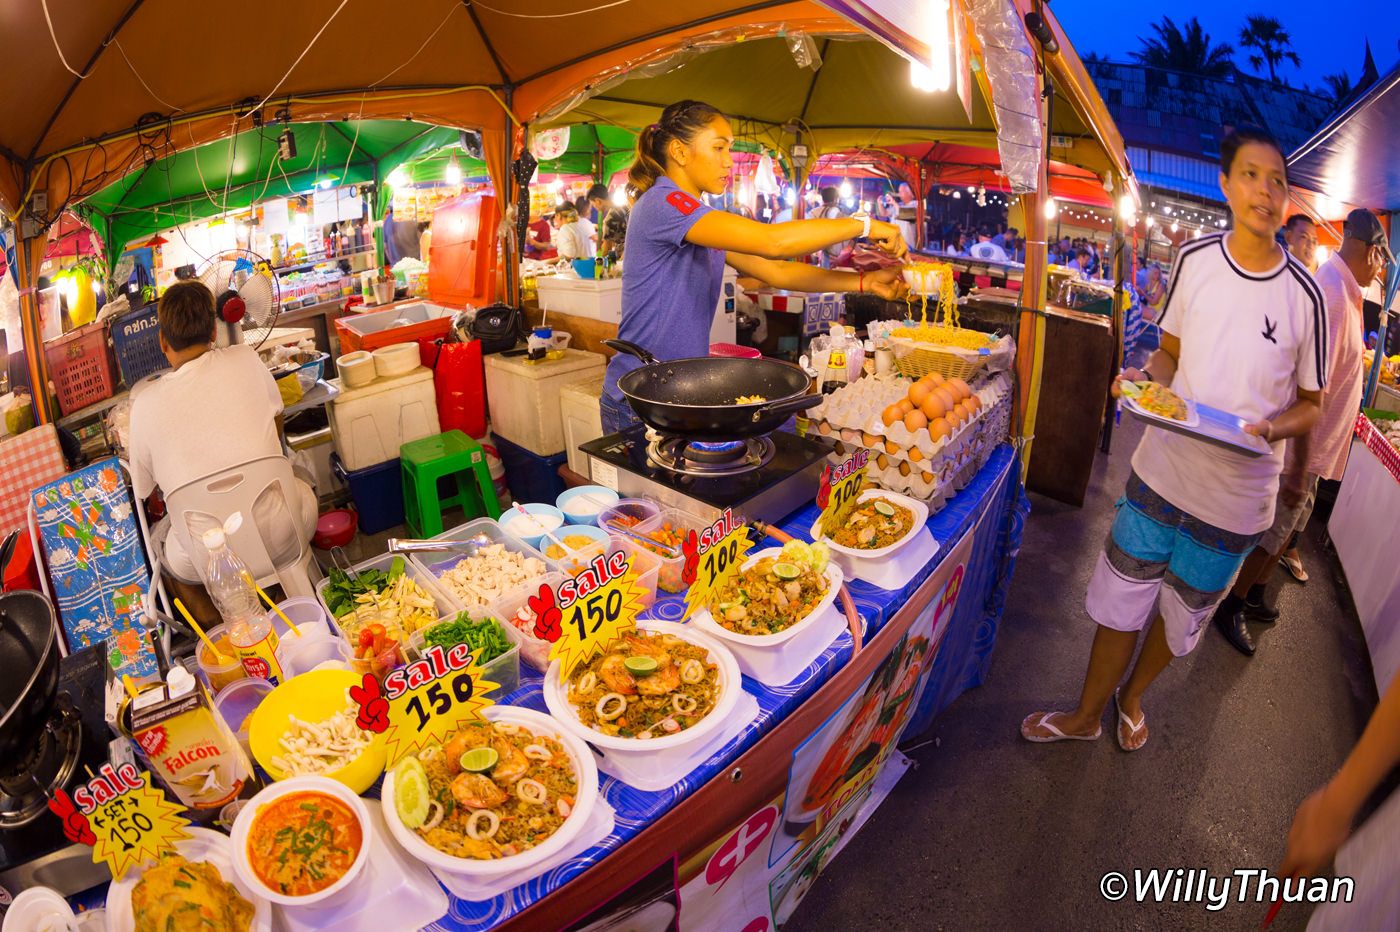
[523,396]
[602,300]
[583,421]
[369,424]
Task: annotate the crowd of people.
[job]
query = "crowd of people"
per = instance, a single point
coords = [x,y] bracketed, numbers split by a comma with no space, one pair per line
[589,226]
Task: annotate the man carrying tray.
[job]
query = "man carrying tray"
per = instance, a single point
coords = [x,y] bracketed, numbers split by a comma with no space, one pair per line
[1244,331]
[1323,453]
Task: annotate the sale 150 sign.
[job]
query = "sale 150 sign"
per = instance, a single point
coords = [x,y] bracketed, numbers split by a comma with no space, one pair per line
[584,614]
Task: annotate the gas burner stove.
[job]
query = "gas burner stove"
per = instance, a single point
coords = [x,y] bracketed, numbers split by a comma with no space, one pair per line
[764,479]
[698,458]
[26,782]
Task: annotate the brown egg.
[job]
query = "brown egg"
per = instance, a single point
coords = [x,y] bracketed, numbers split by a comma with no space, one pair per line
[974,401]
[934,379]
[933,406]
[916,455]
[918,392]
[870,440]
[969,408]
[891,446]
[904,469]
[915,420]
[823,428]
[926,476]
[882,461]
[891,414]
[905,407]
[956,416]
[959,387]
[947,395]
[939,427]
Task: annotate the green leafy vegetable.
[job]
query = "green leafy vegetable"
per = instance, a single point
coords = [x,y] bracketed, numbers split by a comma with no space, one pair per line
[341,590]
[485,634]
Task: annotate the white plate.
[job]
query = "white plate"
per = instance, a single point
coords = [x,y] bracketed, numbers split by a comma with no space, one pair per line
[587,795]
[834,578]
[203,845]
[730,685]
[1192,418]
[919,509]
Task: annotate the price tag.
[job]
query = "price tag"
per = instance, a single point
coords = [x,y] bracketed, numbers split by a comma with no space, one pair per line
[840,488]
[424,703]
[123,816]
[713,557]
[587,612]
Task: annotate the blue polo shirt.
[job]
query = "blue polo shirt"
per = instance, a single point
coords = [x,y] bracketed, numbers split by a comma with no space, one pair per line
[669,287]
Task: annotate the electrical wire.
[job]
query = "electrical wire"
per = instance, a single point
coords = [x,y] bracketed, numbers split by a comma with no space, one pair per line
[169,106]
[304,51]
[61,57]
[605,6]
[455,6]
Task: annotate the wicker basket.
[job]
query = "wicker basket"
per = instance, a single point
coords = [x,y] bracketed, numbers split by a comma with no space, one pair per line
[916,360]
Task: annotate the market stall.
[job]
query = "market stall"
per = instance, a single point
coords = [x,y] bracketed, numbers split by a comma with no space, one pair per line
[1345,163]
[853,653]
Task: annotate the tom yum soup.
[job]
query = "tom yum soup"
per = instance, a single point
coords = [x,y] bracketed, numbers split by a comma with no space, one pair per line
[302,843]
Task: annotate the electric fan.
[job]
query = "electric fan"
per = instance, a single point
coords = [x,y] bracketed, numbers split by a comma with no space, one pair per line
[247,297]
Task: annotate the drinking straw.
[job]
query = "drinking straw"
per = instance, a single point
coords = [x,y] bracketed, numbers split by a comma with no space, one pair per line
[272,605]
[200,631]
[130,688]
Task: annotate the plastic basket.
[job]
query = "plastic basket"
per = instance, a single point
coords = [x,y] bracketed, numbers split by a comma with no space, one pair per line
[136,340]
[80,366]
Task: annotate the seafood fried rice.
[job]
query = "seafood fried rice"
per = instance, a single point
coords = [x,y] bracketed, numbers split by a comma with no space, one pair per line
[646,685]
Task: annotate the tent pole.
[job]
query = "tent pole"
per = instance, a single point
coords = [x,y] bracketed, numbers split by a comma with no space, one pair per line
[1030,351]
[28,257]
[1120,310]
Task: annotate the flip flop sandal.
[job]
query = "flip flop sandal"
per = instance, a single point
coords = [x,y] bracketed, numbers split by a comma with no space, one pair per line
[1133,727]
[1055,733]
[1294,565]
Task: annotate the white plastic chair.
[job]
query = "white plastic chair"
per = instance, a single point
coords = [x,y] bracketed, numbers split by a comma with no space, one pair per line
[213,498]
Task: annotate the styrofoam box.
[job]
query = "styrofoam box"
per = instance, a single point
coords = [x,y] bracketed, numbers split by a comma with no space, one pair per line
[524,396]
[582,297]
[578,406]
[369,424]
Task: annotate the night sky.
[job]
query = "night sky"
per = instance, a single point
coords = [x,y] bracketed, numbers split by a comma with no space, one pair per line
[1328,38]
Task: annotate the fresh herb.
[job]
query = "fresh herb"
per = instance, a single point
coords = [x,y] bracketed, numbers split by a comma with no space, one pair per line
[341,590]
[485,635]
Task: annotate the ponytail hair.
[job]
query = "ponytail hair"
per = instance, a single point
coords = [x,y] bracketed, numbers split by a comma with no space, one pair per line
[682,120]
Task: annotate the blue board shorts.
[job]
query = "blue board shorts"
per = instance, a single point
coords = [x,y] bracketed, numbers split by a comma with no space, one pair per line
[1159,556]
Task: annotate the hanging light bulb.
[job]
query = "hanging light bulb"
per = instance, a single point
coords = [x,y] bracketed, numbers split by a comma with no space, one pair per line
[935,75]
[453,175]
[1148,222]
[981,195]
[619,197]
[398,177]
[957,194]
[845,190]
[791,197]
[1052,207]
[1174,226]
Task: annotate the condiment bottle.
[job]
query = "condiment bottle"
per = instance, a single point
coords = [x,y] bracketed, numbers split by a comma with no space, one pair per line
[835,376]
[231,588]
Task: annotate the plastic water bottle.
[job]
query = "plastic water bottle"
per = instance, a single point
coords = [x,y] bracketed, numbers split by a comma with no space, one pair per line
[231,588]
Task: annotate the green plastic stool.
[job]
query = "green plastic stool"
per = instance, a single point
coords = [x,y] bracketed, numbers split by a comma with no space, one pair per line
[426,461]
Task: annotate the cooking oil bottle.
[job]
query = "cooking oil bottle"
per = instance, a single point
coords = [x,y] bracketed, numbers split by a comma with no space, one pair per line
[232,591]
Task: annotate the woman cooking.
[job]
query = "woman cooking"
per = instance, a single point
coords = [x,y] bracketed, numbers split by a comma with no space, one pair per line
[677,246]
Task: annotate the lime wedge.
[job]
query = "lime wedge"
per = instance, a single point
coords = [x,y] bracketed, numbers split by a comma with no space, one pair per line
[640,666]
[411,793]
[884,507]
[786,571]
[480,760]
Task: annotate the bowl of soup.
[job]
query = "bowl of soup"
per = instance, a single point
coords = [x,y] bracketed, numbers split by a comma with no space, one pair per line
[302,841]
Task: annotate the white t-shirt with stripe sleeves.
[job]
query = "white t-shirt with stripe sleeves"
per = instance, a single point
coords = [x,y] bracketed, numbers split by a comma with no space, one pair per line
[1249,341]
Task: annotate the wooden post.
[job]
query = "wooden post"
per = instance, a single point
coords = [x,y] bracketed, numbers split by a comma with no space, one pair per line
[29,255]
[1030,347]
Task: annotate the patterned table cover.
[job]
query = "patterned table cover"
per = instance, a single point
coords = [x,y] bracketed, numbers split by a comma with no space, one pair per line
[1375,442]
[32,459]
[961,664]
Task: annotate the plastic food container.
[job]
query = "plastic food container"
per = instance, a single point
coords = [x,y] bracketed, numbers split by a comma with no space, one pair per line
[434,565]
[415,571]
[356,369]
[645,564]
[510,608]
[593,533]
[669,578]
[504,671]
[629,514]
[219,674]
[304,654]
[583,504]
[530,531]
[237,703]
[305,613]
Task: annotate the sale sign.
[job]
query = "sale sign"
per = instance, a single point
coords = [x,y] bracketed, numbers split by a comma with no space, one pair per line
[840,488]
[713,556]
[122,815]
[584,614]
[424,703]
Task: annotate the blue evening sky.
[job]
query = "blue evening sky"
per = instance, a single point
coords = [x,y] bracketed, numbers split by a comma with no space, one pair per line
[1328,39]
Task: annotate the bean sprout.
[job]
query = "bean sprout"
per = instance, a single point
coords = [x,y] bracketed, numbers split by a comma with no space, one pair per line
[602,707]
[532,791]
[684,705]
[538,752]
[492,820]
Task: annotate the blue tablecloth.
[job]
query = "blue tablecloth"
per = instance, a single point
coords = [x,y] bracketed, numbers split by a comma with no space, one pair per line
[994,494]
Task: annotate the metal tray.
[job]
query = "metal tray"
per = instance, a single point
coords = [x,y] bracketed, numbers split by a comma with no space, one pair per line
[1192,421]
[1212,426]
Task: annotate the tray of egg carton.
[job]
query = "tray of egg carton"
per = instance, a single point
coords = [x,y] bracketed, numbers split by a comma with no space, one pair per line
[911,453]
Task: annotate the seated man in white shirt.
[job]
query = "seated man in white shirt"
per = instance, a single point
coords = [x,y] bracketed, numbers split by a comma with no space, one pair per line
[218,409]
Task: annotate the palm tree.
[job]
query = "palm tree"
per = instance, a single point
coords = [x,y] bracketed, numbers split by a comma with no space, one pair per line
[1338,87]
[1273,42]
[1187,49]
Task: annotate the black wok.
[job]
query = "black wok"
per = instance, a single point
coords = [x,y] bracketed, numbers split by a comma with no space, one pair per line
[695,397]
[29,659]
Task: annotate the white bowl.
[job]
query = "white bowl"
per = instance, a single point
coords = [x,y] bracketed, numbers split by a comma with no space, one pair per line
[919,509]
[556,697]
[356,370]
[585,770]
[202,845]
[238,837]
[834,578]
[395,359]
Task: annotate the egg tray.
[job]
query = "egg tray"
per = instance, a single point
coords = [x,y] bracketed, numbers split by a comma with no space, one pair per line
[839,417]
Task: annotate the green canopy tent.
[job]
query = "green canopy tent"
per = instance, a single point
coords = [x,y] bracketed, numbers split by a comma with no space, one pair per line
[242,170]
